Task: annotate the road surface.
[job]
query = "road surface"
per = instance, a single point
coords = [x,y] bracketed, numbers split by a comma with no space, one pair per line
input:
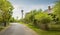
[18,29]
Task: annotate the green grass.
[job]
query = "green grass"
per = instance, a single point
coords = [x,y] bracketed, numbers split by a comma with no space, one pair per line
[54,27]
[43,32]
[1,28]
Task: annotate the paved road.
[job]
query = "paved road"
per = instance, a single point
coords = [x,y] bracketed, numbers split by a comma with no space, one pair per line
[18,29]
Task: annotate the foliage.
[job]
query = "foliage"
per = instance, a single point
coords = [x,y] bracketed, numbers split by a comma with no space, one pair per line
[56,9]
[30,16]
[6,11]
[43,17]
[43,32]
[12,19]
[37,17]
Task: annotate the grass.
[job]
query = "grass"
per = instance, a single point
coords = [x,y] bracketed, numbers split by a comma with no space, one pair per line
[43,32]
[1,28]
[54,26]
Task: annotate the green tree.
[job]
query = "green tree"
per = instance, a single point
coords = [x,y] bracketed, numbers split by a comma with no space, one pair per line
[56,9]
[30,16]
[6,11]
[43,19]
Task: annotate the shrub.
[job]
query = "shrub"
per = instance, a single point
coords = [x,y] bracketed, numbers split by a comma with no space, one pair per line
[43,20]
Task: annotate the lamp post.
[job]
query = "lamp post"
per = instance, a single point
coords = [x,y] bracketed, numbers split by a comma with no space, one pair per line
[22,13]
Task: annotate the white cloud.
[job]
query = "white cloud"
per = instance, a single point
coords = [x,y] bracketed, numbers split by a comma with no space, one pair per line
[27,8]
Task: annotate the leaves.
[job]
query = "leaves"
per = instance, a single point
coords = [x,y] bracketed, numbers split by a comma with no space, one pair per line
[5,10]
[56,8]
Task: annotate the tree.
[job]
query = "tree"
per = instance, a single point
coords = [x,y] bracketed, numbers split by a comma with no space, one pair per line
[56,9]
[43,20]
[12,19]
[30,16]
[6,10]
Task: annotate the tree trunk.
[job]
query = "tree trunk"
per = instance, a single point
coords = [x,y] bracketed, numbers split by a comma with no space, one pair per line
[5,24]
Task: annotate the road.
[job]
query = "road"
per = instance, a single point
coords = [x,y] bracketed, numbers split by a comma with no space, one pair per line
[18,29]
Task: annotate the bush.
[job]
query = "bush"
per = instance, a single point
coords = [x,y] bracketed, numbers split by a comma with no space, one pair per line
[43,20]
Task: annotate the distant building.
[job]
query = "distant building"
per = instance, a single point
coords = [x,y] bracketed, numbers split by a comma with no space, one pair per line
[49,10]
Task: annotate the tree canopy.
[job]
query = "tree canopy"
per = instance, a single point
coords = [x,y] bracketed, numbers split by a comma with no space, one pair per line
[56,9]
[5,10]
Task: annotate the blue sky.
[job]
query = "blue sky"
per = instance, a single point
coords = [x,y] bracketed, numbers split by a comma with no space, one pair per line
[28,5]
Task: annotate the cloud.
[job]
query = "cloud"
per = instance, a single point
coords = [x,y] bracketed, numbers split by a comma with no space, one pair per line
[27,8]
[16,12]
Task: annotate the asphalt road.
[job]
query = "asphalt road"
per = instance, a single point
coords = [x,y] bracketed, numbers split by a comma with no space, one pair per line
[18,29]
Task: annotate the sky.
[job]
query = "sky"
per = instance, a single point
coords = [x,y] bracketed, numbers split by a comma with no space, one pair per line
[28,5]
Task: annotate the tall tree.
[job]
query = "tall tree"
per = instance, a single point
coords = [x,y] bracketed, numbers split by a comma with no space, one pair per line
[6,11]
